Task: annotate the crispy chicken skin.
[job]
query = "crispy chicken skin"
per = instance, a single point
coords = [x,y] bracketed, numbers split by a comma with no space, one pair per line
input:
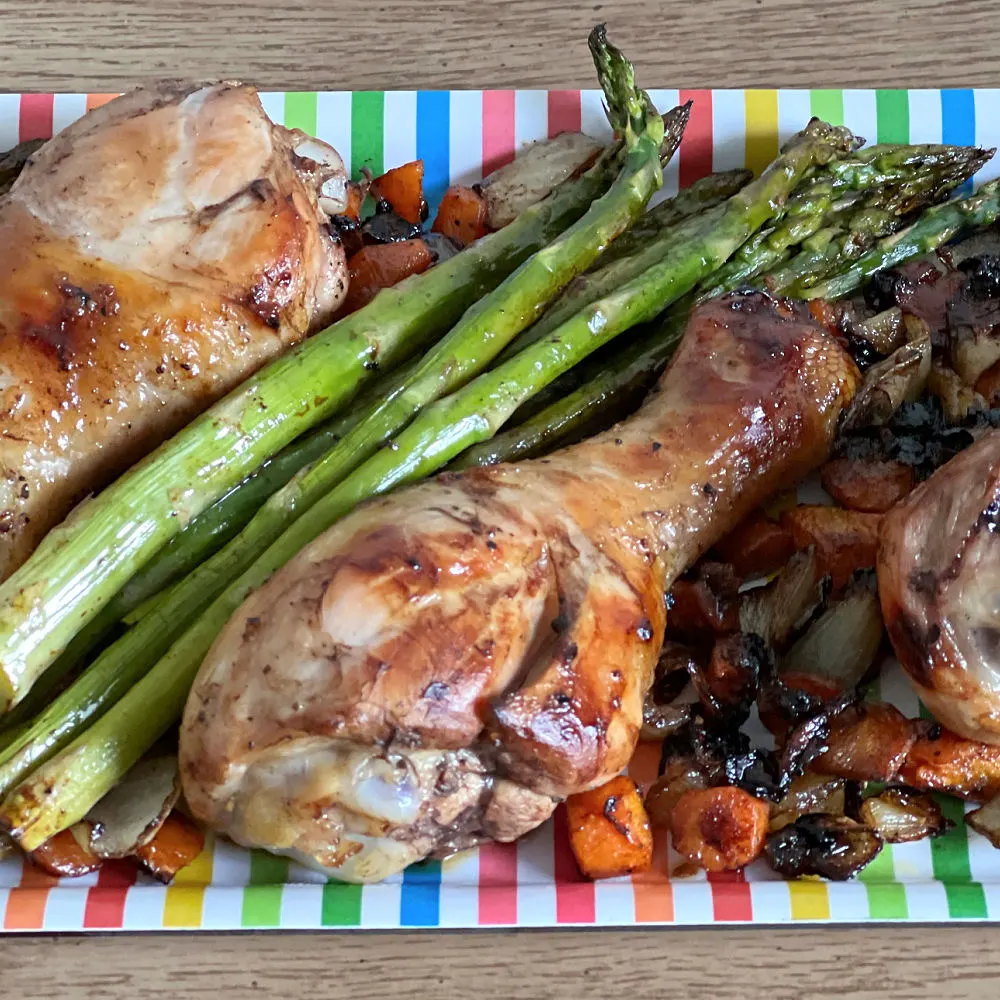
[445,664]
[938,579]
[155,253]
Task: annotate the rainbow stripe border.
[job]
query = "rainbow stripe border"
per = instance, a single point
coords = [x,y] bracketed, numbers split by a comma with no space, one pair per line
[461,135]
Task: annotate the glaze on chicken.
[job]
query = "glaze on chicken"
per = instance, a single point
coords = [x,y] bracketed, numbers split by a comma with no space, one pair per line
[445,664]
[938,579]
[154,254]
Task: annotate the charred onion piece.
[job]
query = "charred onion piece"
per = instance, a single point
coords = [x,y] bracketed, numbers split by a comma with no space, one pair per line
[810,793]
[899,816]
[986,820]
[840,646]
[818,844]
[956,398]
[774,612]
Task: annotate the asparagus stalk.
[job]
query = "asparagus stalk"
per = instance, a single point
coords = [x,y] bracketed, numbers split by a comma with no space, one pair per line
[602,398]
[933,229]
[90,765]
[703,194]
[81,564]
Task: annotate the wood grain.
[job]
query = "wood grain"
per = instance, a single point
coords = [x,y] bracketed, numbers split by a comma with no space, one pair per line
[102,45]
[106,45]
[887,963]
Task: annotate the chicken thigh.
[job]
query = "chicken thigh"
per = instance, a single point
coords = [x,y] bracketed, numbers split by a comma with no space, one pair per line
[447,663]
[155,253]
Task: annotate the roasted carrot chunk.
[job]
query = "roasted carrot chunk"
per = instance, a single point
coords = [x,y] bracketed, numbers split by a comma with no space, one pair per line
[720,829]
[64,855]
[869,742]
[872,486]
[609,830]
[757,546]
[462,215]
[946,762]
[355,199]
[382,266]
[403,188]
[177,843]
[845,540]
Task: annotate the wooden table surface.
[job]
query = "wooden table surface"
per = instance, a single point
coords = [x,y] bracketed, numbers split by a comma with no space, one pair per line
[106,45]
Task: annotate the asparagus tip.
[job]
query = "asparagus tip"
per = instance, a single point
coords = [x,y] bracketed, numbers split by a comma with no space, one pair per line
[629,109]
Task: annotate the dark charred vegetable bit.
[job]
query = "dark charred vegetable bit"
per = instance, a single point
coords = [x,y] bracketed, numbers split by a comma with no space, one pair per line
[660,717]
[756,772]
[871,742]
[347,229]
[720,829]
[809,739]
[810,793]
[756,547]
[776,611]
[895,286]
[939,760]
[919,435]
[986,820]
[869,484]
[609,830]
[899,816]
[385,226]
[727,685]
[834,847]
[704,603]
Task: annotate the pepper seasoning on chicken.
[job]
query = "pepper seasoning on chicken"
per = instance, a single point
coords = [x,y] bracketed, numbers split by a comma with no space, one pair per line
[155,254]
[445,664]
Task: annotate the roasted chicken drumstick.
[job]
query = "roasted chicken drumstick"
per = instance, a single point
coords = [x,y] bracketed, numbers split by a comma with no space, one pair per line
[155,253]
[445,664]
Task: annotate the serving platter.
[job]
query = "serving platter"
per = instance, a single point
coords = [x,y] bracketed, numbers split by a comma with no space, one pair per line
[461,136]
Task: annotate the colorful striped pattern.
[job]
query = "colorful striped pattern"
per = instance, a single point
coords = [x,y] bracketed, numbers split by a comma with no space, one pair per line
[461,136]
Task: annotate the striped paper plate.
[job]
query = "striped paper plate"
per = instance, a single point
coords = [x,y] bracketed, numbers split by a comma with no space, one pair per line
[461,136]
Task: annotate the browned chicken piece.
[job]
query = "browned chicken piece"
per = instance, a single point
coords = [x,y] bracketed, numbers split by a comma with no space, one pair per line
[939,581]
[154,254]
[445,664]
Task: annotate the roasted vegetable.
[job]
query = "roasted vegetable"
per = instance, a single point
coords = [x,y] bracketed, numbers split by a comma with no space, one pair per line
[660,717]
[940,761]
[609,830]
[899,816]
[841,644]
[131,814]
[899,379]
[703,604]
[868,485]
[403,188]
[727,684]
[809,794]
[537,170]
[461,216]
[846,540]
[720,829]
[883,332]
[756,547]
[381,266]
[871,742]
[176,844]
[986,820]
[774,612]
[66,855]
[818,844]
